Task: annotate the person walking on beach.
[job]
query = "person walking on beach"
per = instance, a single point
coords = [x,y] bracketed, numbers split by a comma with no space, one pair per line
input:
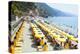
[45,47]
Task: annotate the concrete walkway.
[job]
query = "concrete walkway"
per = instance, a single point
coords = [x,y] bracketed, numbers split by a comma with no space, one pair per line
[27,42]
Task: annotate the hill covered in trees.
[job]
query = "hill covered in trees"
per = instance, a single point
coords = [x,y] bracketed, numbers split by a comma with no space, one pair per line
[18,8]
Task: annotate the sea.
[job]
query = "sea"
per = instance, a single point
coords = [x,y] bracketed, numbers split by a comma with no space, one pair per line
[68,24]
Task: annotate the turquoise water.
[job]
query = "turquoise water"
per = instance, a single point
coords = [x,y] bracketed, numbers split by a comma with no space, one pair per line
[71,22]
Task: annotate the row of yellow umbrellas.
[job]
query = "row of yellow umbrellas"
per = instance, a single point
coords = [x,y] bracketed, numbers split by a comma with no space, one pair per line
[17,46]
[51,30]
[36,30]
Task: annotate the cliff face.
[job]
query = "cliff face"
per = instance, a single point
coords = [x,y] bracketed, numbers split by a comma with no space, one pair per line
[45,9]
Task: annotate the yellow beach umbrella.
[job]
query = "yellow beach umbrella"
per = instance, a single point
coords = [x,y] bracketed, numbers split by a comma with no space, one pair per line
[70,36]
[39,35]
[55,35]
[74,39]
[62,39]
